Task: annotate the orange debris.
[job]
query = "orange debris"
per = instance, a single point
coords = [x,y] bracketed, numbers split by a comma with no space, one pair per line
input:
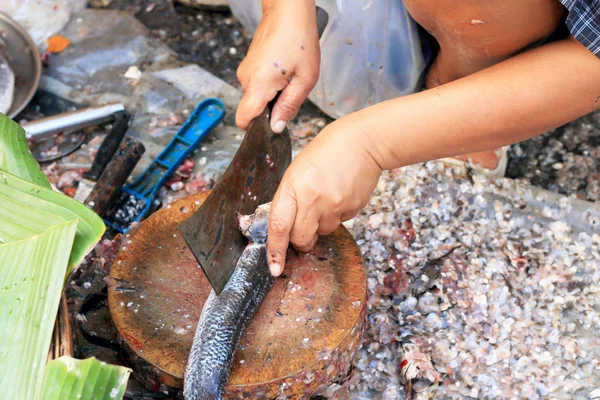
[58,43]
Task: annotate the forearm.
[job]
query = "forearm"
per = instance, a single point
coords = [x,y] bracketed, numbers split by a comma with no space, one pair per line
[299,7]
[517,99]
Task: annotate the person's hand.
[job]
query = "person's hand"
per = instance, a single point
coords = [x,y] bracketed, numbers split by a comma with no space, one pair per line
[328,183]
[284,56]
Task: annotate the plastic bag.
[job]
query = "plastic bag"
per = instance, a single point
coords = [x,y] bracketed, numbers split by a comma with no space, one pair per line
[41,18]
[370,52]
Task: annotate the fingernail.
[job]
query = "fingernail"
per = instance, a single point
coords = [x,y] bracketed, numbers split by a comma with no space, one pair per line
[275,269]
[279,126]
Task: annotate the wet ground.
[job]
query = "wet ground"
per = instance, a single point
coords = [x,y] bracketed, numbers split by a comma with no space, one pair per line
[213,40]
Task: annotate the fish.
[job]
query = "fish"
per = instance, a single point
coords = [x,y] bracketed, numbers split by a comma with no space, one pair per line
[224,317]
[7,81]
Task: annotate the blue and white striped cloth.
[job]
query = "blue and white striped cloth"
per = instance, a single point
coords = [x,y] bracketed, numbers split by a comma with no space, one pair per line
[583,22]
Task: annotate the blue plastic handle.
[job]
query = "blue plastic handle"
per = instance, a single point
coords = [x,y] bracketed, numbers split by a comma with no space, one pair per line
[205,117]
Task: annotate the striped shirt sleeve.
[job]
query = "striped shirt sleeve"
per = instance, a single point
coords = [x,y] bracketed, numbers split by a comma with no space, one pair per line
[583,22]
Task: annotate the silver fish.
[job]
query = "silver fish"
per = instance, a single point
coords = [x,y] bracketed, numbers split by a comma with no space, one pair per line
[224,317]
[7,81]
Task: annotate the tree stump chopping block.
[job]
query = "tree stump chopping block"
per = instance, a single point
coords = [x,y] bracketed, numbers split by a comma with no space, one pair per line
[303,337]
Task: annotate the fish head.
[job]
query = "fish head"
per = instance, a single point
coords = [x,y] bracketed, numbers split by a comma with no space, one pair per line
[255,226]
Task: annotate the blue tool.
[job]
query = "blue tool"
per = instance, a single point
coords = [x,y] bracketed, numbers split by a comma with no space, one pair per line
[135,200]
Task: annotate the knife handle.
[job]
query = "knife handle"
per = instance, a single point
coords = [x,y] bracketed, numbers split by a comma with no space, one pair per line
[109,146]
[322,20]
[115,175]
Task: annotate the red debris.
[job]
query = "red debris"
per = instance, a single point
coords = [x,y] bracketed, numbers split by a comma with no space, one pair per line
[45,58]
[185,169]
[196,186]
[182,173]
[406,234]
[69,178]
[107,249]
[70,191]
[397,280]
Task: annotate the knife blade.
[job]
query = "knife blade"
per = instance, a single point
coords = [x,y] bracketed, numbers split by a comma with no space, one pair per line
[251,179]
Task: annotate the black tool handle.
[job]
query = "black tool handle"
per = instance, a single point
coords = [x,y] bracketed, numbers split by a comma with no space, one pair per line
[322,20]
[114,176]
[109,146]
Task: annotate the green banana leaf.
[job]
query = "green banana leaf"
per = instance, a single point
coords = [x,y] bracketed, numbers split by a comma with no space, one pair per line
[32,273]
[27,209]
[28,205]
[15,156]
[43,235]
[69,379]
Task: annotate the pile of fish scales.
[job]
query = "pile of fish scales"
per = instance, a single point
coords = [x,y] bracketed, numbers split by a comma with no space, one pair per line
[514,311]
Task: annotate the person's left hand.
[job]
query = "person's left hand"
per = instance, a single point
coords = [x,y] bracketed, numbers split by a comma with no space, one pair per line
[328,183]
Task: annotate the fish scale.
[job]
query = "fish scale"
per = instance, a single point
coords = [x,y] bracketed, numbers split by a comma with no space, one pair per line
[225,316]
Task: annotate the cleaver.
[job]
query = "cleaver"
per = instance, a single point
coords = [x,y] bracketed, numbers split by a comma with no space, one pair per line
[251,179]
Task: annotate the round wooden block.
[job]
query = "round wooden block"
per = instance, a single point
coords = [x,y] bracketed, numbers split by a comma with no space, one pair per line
[303,336]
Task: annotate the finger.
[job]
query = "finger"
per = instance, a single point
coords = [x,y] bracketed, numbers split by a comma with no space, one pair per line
[252,104]
[310,246]
[305,228]
[349,214]
[242,74]
[314,241]
[289,102]
[328,225]
[281,222]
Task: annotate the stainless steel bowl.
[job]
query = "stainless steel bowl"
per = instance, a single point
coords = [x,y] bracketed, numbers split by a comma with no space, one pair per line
[25,61]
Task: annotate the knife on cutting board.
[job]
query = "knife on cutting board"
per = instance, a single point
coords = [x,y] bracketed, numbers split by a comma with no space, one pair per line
[251,179]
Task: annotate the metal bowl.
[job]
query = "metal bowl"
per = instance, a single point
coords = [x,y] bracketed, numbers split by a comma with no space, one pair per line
[25,60]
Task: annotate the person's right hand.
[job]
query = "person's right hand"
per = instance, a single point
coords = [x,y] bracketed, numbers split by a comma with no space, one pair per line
[284,56]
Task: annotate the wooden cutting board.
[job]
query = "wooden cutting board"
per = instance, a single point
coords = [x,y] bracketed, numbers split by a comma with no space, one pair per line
[302,338]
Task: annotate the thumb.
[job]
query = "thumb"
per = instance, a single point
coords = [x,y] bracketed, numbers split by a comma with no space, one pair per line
[289,103]
[252,104]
